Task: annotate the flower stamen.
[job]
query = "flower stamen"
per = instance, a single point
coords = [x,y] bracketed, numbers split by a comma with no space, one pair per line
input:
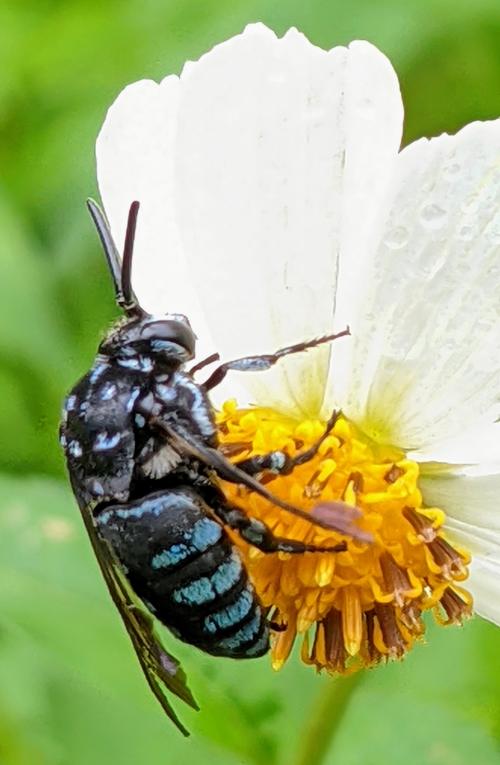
[365,604]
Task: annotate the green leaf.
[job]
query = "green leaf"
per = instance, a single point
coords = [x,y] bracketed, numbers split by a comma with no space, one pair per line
[73,670]
[440,706]
[52,593]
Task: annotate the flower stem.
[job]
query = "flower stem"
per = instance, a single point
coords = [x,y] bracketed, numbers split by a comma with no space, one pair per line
[325,719]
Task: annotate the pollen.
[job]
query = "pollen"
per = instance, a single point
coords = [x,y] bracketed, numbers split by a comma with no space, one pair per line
[364,605]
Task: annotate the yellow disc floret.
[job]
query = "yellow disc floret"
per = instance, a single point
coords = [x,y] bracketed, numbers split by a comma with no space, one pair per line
[358,607]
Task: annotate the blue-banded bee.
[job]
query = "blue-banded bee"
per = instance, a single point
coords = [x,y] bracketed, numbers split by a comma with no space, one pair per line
[141,447]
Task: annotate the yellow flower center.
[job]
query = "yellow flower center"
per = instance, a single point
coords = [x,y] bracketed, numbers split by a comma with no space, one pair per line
[357,607]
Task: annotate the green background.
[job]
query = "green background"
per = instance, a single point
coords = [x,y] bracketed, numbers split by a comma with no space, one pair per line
[70,689]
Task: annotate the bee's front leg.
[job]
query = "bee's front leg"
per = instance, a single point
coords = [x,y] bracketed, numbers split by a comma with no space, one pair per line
[265,360]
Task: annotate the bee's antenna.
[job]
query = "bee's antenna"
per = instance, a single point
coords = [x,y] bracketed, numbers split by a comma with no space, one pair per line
[128,251]
[120,268]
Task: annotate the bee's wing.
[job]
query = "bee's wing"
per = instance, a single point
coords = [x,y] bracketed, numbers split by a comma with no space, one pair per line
[161,669]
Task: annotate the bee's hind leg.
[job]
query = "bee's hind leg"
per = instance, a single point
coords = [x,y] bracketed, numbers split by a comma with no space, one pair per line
[256,533]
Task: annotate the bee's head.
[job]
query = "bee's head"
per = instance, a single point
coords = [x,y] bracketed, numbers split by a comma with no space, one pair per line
[138,343]
[141,340]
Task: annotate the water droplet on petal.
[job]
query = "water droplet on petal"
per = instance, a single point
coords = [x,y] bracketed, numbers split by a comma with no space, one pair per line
[451,170]
[466,233]
[397,238]
[471,203]
[433,217]
[449,347]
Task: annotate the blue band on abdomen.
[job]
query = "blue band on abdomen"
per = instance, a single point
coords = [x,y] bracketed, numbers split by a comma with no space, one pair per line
[204,534]
[171,557]
[231,615]
[207,588]
[244,635]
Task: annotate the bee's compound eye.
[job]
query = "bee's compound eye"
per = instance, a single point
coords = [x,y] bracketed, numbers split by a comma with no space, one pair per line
[166,332]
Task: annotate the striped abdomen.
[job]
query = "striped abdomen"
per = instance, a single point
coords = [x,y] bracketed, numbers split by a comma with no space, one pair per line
[184,567]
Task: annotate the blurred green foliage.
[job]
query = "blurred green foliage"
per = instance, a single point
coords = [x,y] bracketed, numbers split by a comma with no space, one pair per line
[70,689]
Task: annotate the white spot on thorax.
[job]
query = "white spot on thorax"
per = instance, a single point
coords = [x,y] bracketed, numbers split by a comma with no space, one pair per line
[97,371]
[104,441]
[97,488]
[166,393]
[70,403]
[200,408]
[132,399]
[139,363]
[75,449]
[108,391]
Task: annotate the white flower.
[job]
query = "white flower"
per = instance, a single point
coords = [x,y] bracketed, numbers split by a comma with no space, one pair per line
[276,207]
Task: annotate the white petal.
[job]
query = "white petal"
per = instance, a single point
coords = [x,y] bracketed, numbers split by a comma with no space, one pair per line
[473,521]
[468,499]
[427,344]
[477,450]
[484,569]
[484,585]
[135,160]
[280,159]
[281,154]
[135,150]
[135,153]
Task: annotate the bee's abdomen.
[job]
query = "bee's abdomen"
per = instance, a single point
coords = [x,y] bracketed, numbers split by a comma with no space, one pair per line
[182,564]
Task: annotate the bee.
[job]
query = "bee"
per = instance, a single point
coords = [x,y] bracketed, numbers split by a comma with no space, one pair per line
[143,458]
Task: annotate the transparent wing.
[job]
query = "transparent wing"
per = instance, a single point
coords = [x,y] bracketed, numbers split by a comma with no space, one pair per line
[162,670]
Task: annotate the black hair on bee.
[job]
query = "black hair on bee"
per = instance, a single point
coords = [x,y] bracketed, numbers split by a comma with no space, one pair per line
[141,447]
